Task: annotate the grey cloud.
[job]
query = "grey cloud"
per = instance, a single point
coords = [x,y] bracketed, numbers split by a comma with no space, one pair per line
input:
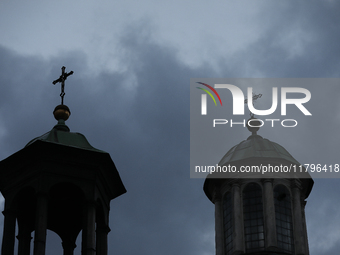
[145,127]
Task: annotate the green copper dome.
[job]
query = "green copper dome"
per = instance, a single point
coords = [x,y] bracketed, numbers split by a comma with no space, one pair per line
[256,147]
[60,134]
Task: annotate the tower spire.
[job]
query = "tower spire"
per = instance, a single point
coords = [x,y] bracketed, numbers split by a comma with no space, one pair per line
[58,182]
[259,213]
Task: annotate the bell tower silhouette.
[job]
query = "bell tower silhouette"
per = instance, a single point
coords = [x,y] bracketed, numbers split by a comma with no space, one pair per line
[58,181]
[256,213]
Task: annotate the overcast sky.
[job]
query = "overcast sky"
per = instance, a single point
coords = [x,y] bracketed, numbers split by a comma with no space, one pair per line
[129,95]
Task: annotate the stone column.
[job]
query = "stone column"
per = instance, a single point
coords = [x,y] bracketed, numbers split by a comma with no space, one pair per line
[68,247]
[269,214]
[40,224]
[238,229]
[101,240]
[298,228]
[219,232]
[305,227]
[89,228]
[8,238]
[24,239]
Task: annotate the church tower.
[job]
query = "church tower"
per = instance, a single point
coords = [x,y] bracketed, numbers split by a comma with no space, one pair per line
[58,181]
[256,213]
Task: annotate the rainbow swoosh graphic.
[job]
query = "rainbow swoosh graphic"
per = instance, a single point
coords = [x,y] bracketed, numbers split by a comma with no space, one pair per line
[208,92]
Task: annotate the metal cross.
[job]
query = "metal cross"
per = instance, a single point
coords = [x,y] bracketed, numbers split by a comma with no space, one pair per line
[255,97]
[62,80]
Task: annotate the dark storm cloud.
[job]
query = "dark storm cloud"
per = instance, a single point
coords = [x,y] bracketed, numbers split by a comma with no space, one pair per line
[141,117]
[302,41]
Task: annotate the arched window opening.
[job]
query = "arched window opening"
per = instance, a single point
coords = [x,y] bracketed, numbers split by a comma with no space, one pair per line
[253,218]
[53,243]
[284,221]
[228,224]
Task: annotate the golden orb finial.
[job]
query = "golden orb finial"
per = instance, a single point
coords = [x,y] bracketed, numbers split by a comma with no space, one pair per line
[61,112]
